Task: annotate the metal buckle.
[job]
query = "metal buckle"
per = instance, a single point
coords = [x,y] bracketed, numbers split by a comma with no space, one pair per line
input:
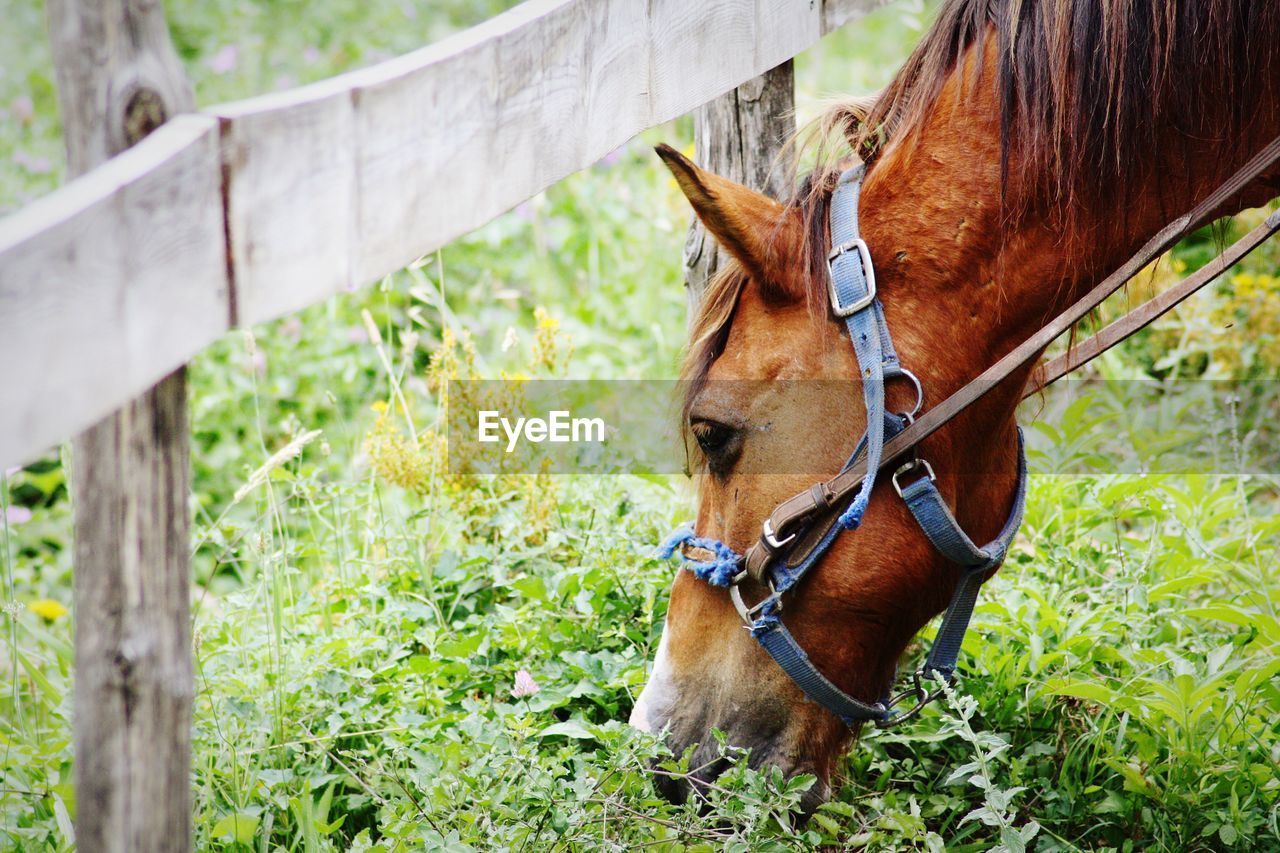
[911,466]
[868,273]
[917,693]
[748,614]
[771,539]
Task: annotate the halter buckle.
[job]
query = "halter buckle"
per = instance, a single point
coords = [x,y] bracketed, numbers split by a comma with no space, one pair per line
[771,538]
[868,273]
[748,614]
[911,466]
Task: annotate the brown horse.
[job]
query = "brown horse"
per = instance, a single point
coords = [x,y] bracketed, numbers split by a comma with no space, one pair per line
[1026,148]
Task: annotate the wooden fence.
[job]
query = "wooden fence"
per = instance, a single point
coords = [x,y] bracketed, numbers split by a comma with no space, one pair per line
[245,212]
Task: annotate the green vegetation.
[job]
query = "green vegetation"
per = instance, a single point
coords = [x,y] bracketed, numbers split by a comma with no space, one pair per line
[361,617]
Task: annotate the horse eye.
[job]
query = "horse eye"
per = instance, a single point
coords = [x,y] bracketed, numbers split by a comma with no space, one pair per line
[721,444]
[711,436]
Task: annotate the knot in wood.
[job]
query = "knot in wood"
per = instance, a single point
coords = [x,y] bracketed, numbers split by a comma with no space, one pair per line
[143,113]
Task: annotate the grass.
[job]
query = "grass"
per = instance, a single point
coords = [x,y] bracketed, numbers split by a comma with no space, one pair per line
[360,618]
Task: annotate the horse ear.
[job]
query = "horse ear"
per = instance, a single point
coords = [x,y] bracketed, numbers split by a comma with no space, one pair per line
[764,236]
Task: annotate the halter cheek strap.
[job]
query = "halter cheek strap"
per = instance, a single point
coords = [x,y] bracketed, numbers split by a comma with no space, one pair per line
[852,281]
[853,298]
[942,529]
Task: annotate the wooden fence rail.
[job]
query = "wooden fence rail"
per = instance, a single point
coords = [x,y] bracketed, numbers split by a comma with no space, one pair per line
[109,284]
[251,210]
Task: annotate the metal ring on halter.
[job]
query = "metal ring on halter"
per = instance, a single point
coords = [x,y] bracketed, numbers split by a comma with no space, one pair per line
[911,466]
[915,380]
[748,614]
[918,694]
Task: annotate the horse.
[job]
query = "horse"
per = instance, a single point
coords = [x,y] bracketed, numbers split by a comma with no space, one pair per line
[1023,151]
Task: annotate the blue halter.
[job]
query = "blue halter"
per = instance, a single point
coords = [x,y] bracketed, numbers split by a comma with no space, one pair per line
[853,298]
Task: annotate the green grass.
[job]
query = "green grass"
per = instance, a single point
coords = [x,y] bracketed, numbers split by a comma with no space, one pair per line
[357,642]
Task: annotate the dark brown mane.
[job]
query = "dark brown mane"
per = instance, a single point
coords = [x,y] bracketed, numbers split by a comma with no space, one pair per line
[707,335]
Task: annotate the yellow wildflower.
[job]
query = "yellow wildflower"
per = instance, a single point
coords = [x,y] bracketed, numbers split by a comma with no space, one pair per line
[455,358]
[397,460]
[550,349]
[47,608]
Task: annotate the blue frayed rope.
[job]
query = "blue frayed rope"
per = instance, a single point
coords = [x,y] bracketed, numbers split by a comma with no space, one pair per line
[717,572]
[851,518]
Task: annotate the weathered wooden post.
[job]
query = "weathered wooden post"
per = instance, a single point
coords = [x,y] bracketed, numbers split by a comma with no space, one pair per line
[739,135]
[118,79]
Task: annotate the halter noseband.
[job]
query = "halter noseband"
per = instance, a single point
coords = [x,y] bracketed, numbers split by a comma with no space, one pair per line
[802,529]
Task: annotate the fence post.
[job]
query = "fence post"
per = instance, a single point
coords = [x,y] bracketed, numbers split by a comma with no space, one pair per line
[118,79]
[739,136]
